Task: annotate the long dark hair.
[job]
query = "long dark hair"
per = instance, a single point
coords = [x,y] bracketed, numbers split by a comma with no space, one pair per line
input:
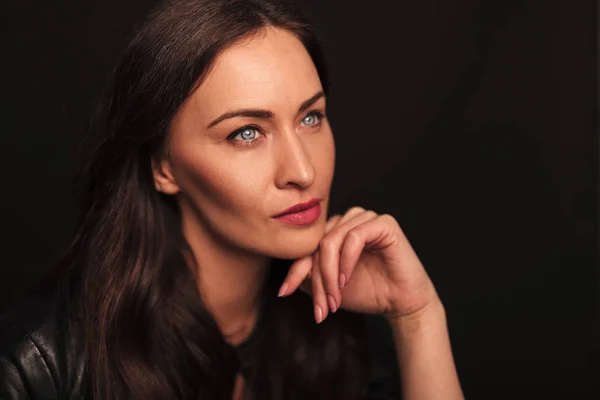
[147,334]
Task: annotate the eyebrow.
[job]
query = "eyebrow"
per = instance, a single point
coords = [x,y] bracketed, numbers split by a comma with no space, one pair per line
[264,114]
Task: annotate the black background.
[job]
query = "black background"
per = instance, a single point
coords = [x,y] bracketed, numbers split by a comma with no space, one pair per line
[474,123]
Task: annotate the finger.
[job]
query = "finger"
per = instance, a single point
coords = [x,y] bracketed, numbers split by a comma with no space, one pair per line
[318,292]
[350,253]
[330,249]
[331,222]
[357,239]
[299,271]
[337,219]
[351,213]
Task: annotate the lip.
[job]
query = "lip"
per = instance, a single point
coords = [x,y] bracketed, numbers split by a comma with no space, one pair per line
[304,217]
[299,207]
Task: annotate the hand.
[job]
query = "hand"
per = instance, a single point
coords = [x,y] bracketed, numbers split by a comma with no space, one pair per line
[364,263]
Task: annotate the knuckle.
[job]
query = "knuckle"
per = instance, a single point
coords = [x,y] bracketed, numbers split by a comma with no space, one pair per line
[355,209]
[353,234]
[371,213]
[388,217]
[327,242]
[332,223]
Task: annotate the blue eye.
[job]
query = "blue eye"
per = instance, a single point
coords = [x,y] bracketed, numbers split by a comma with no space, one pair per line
[248,135]
[312,118]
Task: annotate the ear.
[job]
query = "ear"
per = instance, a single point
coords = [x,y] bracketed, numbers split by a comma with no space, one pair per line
[164,181]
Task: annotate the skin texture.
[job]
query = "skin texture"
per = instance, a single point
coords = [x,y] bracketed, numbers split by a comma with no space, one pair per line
[228,194]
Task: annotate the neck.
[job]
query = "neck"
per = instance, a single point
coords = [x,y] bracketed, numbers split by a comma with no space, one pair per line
[229,281]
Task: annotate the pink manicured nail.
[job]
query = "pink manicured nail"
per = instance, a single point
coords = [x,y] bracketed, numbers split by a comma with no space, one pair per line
[318,314]
[282,290]
[332,305]
[342,280]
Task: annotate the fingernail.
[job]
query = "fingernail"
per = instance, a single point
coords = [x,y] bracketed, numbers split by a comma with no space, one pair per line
[332,305]
[318,314]
[282,290]
[342,280]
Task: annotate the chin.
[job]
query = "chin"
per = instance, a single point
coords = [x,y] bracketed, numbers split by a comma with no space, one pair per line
[295,249]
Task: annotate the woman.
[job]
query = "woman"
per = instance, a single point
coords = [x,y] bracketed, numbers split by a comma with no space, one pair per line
[203,265]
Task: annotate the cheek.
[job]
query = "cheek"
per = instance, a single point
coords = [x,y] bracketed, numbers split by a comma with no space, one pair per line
[223,186]
[226,186]
[325,159]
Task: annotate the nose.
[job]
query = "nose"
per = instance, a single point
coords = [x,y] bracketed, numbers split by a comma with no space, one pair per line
[294,165]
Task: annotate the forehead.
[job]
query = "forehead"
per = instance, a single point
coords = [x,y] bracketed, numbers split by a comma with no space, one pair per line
[270,70]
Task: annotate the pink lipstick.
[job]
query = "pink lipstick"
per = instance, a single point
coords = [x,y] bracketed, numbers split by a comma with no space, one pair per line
[301,213]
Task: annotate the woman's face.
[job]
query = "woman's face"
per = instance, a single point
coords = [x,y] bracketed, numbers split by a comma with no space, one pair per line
[249,143]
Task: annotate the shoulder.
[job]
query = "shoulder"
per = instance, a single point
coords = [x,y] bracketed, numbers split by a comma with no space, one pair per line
[39,350]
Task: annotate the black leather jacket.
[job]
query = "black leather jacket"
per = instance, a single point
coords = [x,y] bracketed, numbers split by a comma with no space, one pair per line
[41,359]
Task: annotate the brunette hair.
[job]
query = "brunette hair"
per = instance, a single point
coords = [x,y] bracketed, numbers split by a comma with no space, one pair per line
[147,334]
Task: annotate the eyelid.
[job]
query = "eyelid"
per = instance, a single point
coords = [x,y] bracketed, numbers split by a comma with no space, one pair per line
[239,130]
[244,143]
[315,111]
[318,113]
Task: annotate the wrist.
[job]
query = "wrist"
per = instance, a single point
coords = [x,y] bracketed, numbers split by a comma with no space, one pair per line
[430,316]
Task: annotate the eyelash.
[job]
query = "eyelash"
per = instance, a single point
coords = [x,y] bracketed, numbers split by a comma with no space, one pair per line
[248,143]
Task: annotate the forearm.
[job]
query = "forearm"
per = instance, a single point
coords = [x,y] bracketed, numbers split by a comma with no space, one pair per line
[427,369]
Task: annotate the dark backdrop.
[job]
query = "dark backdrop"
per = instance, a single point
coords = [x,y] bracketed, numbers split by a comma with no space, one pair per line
[472,122]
